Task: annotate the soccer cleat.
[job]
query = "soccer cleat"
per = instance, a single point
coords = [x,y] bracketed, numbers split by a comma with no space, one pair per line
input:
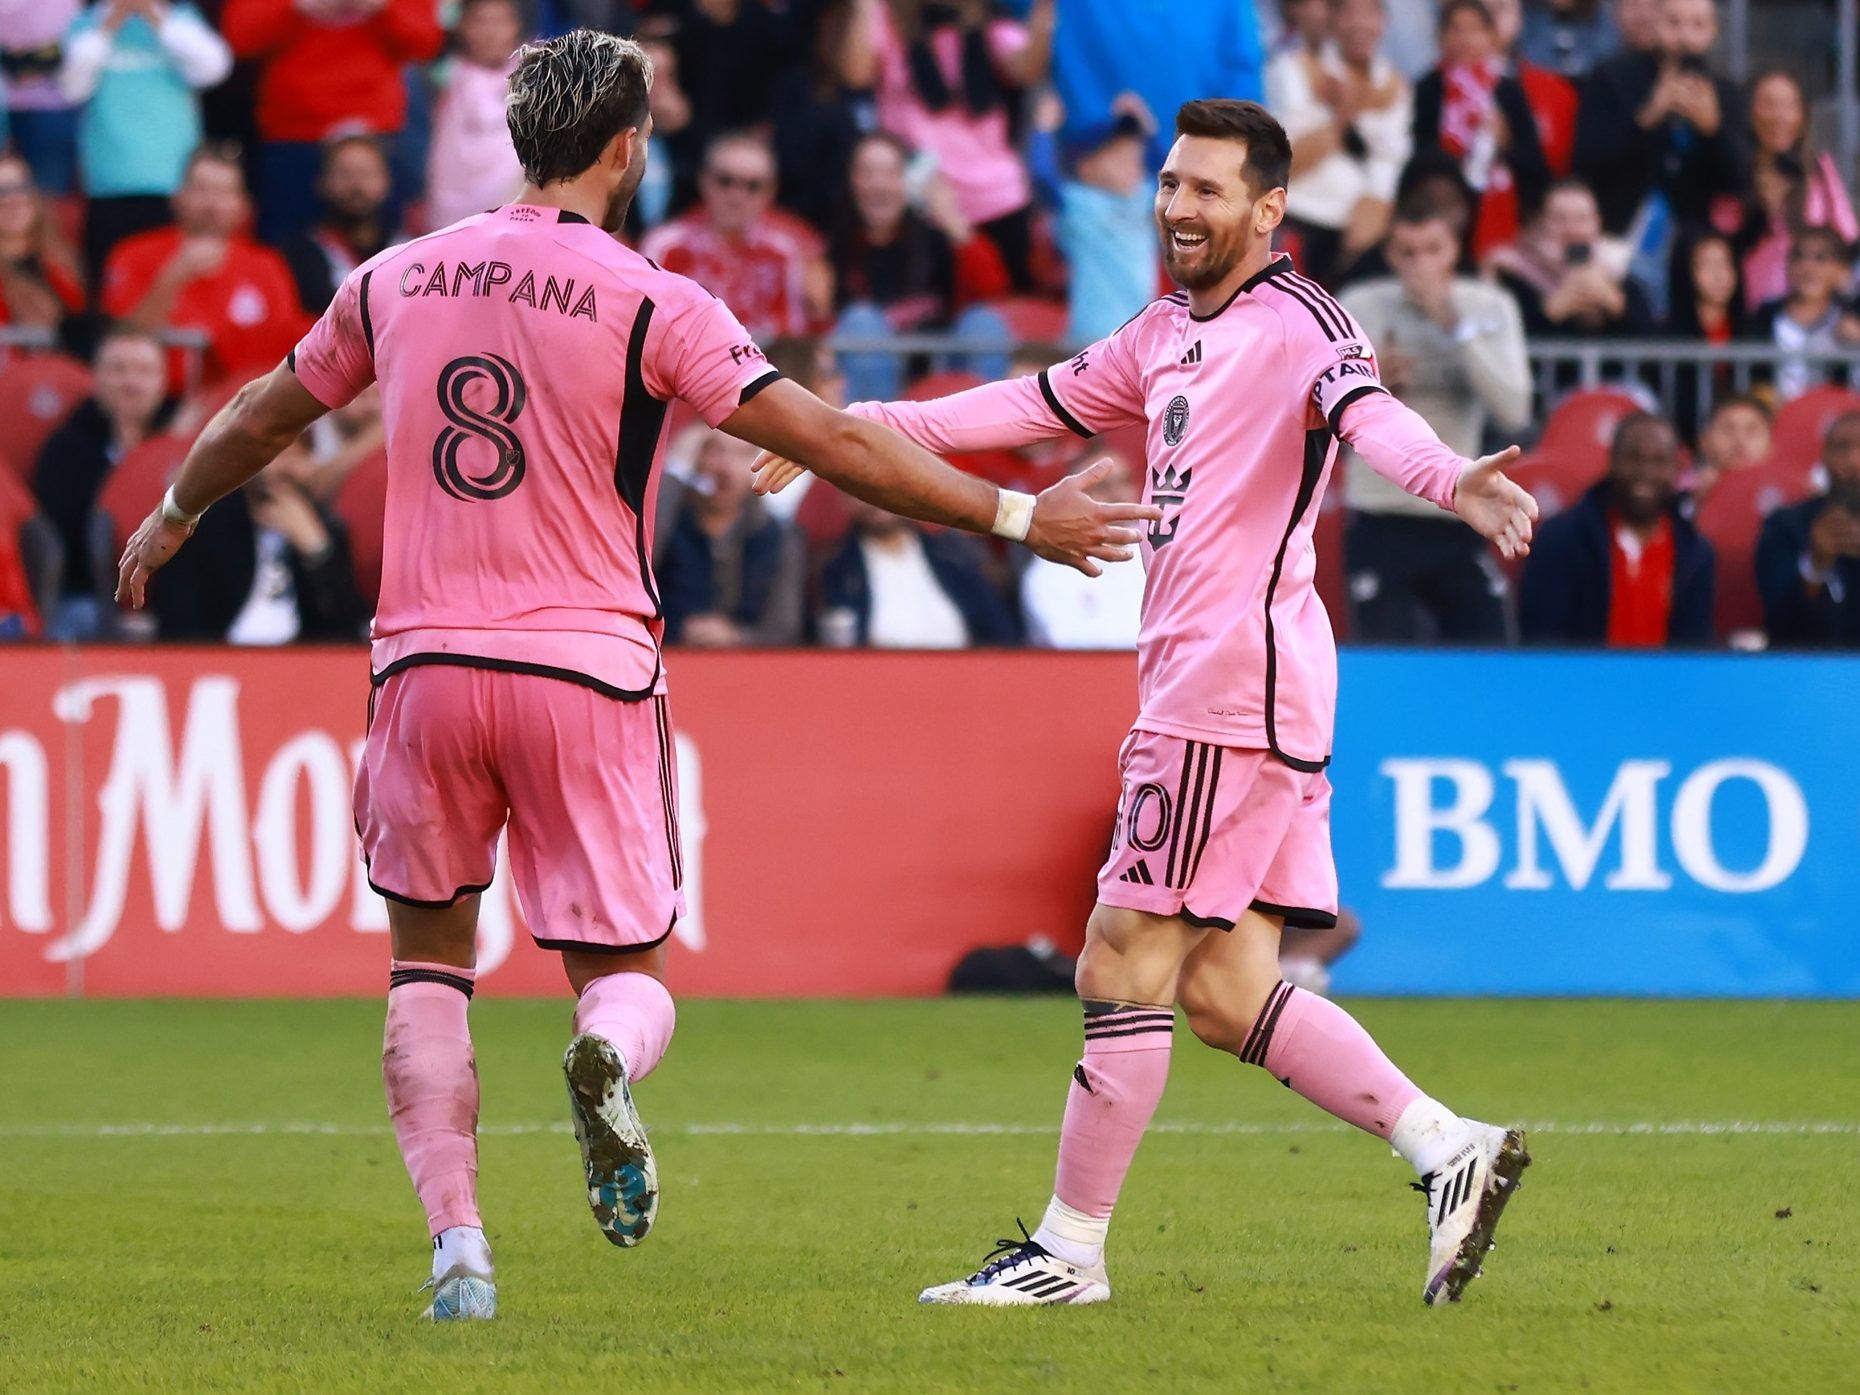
[623,1180]
[1022,1273]
[461,1295]
[1464,1201]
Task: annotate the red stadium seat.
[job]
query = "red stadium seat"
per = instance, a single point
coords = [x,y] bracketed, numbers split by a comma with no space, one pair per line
[1800,425]
[1582,425]
[1557,481]
[37,393]
[940,385]
[16,501]
[1731,517]
[1032,320]
[361,504]
[137,484]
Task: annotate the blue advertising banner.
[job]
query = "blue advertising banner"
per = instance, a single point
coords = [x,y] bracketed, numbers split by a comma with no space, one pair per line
[1589,823]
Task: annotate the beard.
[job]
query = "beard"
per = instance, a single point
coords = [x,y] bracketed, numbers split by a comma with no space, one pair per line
[1203,269]
[615,217]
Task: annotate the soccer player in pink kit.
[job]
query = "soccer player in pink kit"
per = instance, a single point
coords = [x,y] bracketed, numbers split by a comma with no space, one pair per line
[527,361]
[1245,380]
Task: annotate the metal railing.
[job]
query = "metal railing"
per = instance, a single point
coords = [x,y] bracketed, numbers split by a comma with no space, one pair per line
[40,339]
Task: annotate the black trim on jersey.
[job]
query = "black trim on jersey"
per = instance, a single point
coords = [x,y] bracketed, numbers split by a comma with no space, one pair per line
[1317,448]
[1298,917]
[1315,295]
[398,978]
[1216,314]
[1205,922]
[1066,419]
[566,675]
[642,423]
[368,324]
[749,393]
[427,905]
[290,359]
[1360,390]
[587,948]
[1278,266]
[565,216]
[1324,321]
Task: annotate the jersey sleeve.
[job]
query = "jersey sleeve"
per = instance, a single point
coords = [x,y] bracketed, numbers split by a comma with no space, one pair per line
[1330,355]
[708,359]
[336,359]
[1099,388]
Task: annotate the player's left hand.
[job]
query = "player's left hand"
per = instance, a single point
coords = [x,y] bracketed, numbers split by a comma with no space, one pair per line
[154,543]
[774,473]
[1497,507]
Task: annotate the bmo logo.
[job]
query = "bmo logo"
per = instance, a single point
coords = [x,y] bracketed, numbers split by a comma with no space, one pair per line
[1736,825]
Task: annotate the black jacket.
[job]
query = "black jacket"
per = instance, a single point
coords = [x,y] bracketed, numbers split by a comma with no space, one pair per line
[845,584]
[1624,163]
[1530,172]
[1564,596]
[199,594]
[73,465]
[1794,618]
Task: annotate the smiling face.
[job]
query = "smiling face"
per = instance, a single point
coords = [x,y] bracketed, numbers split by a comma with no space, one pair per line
[1207,217]
[738,184]
[1643,470]
[1714,272]
[878,185]
[1777,116]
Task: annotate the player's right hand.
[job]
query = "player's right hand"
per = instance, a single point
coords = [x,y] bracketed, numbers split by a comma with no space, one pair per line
[154,543]
[773,473]
[1072,528]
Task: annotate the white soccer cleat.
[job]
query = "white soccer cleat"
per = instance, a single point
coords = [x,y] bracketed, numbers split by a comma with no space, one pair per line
[1022,1273]
[461,1295]
[1465,1198]
[623,1179]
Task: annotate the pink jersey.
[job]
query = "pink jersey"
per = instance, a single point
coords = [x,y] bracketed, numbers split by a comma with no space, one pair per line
[526,361]
[1243,410]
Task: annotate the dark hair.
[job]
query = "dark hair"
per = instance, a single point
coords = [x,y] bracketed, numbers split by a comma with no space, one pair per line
[570,96]
[1817,232]
[335,145]
[1268,162]
[1682,292]
[215,152]
[1454,7]
[1634,421]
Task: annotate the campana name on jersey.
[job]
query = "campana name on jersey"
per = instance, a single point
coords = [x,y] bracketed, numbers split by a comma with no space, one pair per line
[464,278]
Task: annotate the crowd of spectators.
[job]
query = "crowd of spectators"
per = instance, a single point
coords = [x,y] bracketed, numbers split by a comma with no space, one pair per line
[183,184]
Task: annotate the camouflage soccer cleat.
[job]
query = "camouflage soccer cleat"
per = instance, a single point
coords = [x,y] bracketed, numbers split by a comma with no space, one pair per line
[623,1180]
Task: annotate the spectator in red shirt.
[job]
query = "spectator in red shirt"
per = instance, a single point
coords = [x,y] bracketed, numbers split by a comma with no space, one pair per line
[768,266]
[206,274]
[328,67]
[1622,567]
[40,282]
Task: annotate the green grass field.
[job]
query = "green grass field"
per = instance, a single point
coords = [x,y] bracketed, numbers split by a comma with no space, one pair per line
[201,1197]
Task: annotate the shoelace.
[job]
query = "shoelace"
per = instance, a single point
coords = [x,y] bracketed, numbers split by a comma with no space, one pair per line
[1007,1253]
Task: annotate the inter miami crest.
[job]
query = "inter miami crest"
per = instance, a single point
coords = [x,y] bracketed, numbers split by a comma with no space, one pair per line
[1175,420]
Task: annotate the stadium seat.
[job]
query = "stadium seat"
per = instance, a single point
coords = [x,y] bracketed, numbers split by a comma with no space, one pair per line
[37,393]
[1796,436]
[1731,517]
[1032,320]
[136,485]
[1581,426]
[1557,481]
[361,504]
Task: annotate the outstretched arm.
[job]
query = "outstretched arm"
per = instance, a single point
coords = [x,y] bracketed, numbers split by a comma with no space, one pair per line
[876,464]
[247,435]
[1400,445]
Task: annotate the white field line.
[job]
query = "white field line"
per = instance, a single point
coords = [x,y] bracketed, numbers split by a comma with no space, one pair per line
[1696,1128]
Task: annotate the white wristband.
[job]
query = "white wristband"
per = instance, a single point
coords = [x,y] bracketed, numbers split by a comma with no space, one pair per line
[1013,515]
[172,513]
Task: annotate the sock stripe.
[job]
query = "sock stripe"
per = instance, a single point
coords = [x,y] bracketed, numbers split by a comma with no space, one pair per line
[1106,1035]
[398,978]
[1129,1015]
[1259,1040]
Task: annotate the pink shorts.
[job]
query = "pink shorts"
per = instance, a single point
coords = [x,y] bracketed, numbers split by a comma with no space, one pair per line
[586,785]
[1210,832]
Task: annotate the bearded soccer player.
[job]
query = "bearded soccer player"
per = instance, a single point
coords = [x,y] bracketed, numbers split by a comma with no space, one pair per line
[1246,380]
[527,360]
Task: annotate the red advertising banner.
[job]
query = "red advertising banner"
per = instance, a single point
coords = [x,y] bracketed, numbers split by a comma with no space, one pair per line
[177,821]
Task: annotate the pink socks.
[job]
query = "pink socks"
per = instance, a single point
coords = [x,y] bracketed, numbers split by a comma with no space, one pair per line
[432,1088]
[633,1011]
[1316,1048]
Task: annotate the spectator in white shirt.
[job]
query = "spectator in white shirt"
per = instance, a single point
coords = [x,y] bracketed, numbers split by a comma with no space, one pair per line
[1348,113]
[1064,608]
